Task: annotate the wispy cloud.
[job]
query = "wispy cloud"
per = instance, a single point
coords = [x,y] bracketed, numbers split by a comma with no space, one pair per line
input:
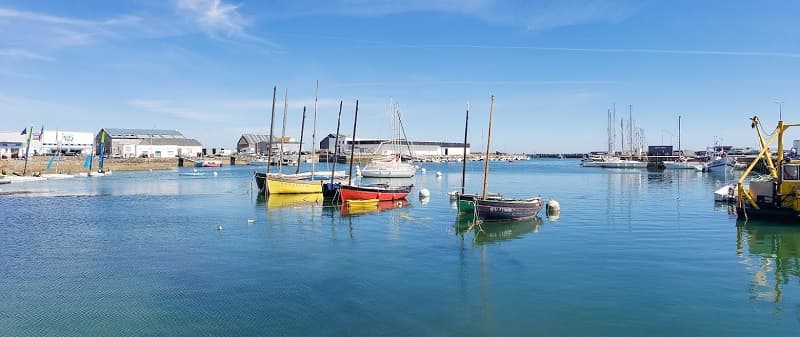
[170,108]
[33,16]
[41,31]
[24,54]
[216,18]
[533,15]
[390,44]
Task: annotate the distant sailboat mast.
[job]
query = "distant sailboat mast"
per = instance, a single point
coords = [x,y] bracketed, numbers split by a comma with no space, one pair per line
[464,161]
[271,129]
[300,148]
[314,133]
[353,147]
[283,131]
[488,144]
[679,135]
[336,145]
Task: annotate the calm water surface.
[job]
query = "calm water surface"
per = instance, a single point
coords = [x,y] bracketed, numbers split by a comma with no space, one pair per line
[633,253]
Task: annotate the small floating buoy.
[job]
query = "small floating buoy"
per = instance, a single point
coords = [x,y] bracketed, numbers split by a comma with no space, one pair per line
[219,228]
[215,173]
[424,170]
[151,170]
[251,221]
[424,193]
[438,174]
[553,206]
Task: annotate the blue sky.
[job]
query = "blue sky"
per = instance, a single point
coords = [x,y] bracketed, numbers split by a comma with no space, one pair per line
[207,68]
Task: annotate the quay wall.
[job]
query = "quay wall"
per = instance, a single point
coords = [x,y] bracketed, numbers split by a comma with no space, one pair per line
[74,164]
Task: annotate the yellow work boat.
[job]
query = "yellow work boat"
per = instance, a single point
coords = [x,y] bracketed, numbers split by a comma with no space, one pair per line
[283,185]
[776,196]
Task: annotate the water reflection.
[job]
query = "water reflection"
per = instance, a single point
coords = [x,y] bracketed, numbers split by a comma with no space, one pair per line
[773,256]
[495,231]
[353,209]
[290,200]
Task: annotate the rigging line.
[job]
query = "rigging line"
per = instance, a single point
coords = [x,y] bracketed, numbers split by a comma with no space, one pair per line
[410,152]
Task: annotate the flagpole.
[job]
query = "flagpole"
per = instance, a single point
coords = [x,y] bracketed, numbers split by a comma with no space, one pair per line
[27,149]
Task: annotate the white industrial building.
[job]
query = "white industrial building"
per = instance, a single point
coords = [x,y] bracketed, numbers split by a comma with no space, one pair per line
[385,146]
[130,143]
[68,142]
[12,144]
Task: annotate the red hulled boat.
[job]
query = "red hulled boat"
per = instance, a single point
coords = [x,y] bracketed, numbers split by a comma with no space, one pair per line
[382,193]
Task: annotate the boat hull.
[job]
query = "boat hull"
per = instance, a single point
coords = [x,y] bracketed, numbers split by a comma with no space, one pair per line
[330,190]
[392,169]
[466,203]
[386,173]
[721,164]
[624,164]
[380,193]
[677,165]
[276,185]
[207,164]
[507,209]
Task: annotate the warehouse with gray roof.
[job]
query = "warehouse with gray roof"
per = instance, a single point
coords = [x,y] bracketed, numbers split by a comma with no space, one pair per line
[131,143]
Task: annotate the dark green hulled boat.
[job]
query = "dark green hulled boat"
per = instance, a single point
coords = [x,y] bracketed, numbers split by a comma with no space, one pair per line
[466,202]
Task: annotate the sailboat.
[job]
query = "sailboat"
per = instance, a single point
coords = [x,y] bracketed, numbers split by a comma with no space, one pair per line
[391,166]
[57,158]
[490,209]
[381,192]
[299,183]
[465,203]
[331,190]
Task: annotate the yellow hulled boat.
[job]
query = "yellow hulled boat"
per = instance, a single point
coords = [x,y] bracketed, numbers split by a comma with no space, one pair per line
[283,185]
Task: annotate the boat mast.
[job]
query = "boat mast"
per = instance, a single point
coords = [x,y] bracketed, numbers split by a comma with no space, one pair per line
[314,133]
[630,127]
[336,145]
[300,149]
[283,131]
[613,126]
[271,124]
[608,130]
[464,161]
[679,135]
[353,147]
[488,143]
[622,136]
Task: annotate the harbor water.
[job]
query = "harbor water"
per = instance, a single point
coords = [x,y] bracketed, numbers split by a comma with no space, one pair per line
[632,253]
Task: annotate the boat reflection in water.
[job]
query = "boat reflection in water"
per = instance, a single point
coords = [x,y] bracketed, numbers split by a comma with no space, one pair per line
[291,200]
[772,254]
[496,231]
[367,206]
